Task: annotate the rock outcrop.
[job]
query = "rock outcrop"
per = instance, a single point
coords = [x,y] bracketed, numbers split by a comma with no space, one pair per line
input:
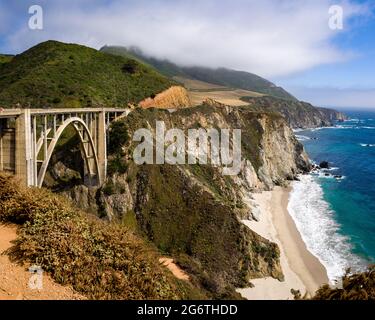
[83,196]
[298,114]
[333,115]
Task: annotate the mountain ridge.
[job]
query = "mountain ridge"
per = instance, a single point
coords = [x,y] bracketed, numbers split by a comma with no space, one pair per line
[271,98]
[55,74]
[219,76]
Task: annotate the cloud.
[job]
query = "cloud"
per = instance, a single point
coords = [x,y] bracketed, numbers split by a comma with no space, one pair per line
[336,97]
[272,38]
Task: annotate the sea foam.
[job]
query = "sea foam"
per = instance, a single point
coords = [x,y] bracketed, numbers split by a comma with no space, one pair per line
[302,138]
[320,232]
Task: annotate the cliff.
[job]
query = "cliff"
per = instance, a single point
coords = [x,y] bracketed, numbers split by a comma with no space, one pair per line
[298,114]
[333,115]
[193,212]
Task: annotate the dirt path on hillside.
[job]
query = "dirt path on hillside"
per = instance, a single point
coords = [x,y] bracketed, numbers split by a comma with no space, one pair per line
[174,268]
[17,283]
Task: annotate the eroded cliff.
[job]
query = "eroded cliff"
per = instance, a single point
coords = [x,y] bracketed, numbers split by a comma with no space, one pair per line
[193,212]
[297,113]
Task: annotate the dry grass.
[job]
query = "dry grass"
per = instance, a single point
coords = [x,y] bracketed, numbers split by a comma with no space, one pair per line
[191,84]
[199,91]
[174,97]
[227,97]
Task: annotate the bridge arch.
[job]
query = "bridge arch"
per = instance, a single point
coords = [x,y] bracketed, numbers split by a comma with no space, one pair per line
[89,153]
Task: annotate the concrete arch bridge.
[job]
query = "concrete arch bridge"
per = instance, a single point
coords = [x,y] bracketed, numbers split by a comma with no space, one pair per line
[28,138]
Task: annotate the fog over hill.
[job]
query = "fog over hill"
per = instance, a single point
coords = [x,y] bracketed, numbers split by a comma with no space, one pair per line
[220,76]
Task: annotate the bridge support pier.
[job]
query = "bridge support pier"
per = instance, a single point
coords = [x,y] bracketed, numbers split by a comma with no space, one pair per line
[102,146]
[24,166]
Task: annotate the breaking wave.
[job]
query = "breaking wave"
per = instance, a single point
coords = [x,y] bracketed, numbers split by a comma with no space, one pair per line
[315,221]
[302,138]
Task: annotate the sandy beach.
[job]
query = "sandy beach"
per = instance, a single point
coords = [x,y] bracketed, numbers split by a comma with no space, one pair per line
[302,270]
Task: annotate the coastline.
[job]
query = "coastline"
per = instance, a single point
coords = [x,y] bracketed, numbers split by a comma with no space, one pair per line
[302,270]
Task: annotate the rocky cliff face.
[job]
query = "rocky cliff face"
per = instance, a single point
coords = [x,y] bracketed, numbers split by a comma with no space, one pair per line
[194,212]
[298,114]
[333,115]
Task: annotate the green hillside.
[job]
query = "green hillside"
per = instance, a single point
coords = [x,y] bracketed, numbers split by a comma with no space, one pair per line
[165,67]
[5,58]
[224,77]
[54,74]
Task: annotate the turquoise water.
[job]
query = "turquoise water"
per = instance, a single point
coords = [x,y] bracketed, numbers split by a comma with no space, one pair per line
[349,201]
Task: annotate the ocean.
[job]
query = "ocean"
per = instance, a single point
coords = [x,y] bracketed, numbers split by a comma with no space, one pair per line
[334,209]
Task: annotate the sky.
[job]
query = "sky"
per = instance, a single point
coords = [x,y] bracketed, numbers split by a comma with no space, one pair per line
[288,42]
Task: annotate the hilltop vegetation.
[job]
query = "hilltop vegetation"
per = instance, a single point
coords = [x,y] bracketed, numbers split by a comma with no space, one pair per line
[165,67]
[98,259]
[223,77]
[5,58]
[54,74]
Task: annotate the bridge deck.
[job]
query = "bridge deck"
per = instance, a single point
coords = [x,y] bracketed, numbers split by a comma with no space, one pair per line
[12,113]
[9,113]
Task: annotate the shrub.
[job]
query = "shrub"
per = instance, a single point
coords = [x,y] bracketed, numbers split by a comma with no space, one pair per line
[130,67]
[117,165]
[109,189]
[99,259]
[118,137]
[359,286]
